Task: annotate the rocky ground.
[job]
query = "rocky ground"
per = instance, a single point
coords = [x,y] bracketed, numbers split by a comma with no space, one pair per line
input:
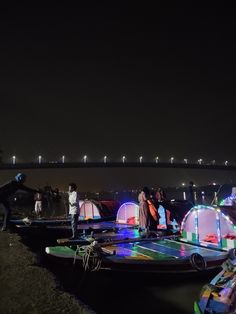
[25,287]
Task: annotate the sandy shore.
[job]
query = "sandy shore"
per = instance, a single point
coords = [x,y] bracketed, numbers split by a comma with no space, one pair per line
[28,288]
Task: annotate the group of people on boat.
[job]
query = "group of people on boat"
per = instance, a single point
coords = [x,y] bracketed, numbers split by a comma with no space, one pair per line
[153,212]
[149,203]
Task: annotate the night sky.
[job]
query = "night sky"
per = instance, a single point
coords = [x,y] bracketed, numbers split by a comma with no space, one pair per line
[100,79]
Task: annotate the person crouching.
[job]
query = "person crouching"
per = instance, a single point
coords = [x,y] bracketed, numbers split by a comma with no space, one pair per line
[74,209]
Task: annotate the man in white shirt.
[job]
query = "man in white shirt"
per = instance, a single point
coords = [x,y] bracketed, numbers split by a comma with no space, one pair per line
[74,209]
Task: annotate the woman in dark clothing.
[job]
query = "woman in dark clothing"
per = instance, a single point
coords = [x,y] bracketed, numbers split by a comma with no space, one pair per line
[153,208]
[160,195]
[9,189]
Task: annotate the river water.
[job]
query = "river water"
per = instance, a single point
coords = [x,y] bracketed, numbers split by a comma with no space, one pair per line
[108,292]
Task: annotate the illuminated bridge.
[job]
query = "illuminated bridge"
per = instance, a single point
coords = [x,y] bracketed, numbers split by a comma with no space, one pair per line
[110,164]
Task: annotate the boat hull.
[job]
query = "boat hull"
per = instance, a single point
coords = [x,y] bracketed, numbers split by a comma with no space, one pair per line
[164,256]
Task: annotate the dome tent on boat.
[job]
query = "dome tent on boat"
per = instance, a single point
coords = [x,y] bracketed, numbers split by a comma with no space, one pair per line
[128,213]
[170,213]
[210,226]
[91,209]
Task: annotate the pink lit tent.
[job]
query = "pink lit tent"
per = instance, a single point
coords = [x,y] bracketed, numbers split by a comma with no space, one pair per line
[81,203]
[128,213]
[210,225]
[97,210]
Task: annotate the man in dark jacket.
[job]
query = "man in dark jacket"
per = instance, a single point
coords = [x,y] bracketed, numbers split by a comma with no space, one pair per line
[9,189]
[191,193]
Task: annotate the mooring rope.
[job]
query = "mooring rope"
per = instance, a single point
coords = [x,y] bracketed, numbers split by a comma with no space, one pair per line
[27,221]
[92,258]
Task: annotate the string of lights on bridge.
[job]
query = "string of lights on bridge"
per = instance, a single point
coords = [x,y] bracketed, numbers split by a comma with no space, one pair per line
[123,160]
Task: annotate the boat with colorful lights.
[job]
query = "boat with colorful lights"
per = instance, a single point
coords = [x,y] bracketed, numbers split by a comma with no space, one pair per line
[94,220]
[191,251]
[219,296]
[230,200]
[90,212]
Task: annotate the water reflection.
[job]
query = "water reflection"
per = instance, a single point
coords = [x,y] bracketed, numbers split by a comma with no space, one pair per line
[108,292]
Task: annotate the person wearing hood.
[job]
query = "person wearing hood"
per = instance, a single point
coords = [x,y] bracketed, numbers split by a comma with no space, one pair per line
[8,189]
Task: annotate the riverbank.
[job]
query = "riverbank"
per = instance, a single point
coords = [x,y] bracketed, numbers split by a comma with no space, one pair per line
[27,288]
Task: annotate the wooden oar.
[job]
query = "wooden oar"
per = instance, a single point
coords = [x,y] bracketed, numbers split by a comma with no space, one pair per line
[106,242]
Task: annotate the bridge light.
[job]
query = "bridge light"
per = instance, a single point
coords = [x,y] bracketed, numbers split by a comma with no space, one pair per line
[13,160]
[85,159]
[105,159]
[63,159]
[123,159]
[172,160]
[140,159]
[40,159]
[199,161]
[185,160]
[157,159]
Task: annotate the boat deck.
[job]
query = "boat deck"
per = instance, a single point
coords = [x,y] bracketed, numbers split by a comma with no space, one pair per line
[66,224]
[160,250]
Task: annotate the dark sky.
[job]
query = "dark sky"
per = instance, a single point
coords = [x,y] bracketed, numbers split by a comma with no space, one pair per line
[113,80]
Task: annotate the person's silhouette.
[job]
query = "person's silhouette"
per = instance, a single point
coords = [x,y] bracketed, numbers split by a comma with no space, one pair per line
[9,189]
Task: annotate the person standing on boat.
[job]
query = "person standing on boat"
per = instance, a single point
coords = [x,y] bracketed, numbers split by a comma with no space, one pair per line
[144,215]
[160,201]
[38,197]
[153,205]
[191,193]
[160,195]
[9,189]
[74,209]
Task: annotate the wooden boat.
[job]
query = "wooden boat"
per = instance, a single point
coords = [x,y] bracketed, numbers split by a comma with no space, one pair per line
[220,295]
[43,222]
[195,250]
[94,219]
[90,212]
[160,255]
